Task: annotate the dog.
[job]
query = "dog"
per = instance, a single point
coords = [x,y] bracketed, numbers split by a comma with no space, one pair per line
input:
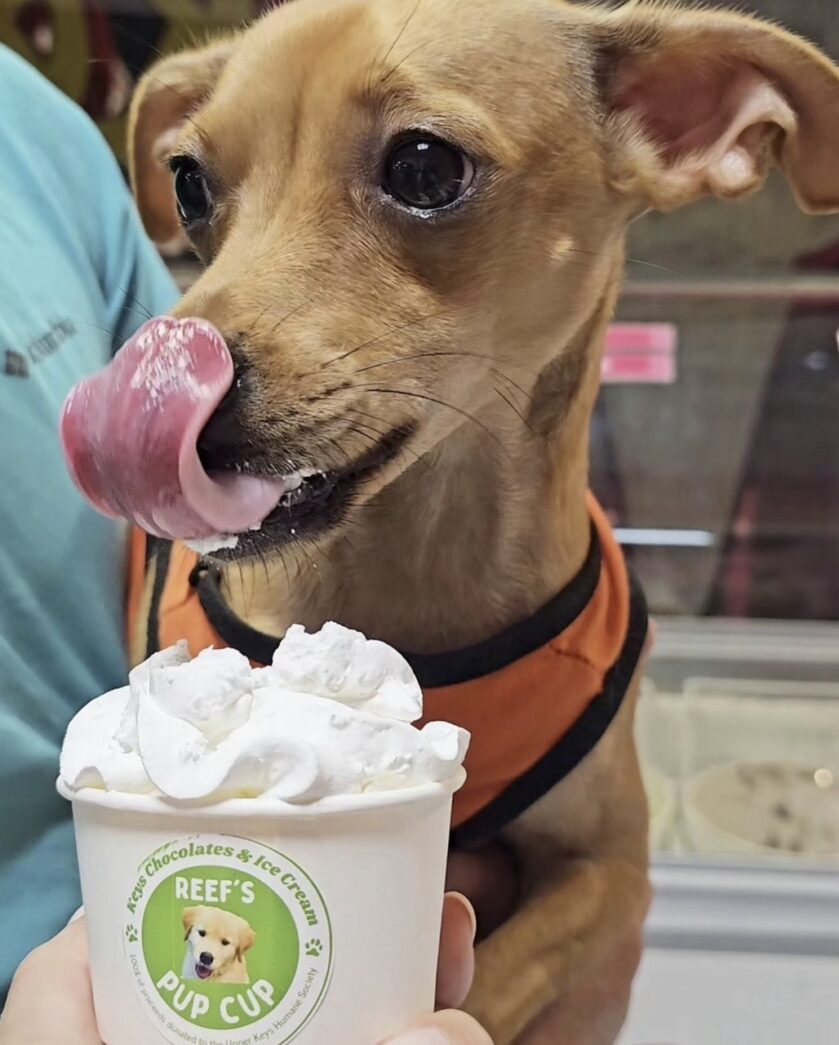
[217,942]
[412,215]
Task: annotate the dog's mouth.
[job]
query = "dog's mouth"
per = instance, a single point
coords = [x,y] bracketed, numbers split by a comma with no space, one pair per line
[203,972]
[314,500]
[136,440]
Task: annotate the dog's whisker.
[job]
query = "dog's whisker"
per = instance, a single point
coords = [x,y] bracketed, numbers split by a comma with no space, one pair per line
[359,429]
[653,265]
[495,371]
[242,586]
[367,414]
[288,315]
[189,103]
[252,327]
[380,426]
[381,432]
[444,353]
[401,32]
[312,563]
[253,577]
[96,326]
[345,539]
[318,550]
[284,561]
[439,402]
[509,401]
[384,79]
[381,337]
[366,432]
[136,303]
[630,261]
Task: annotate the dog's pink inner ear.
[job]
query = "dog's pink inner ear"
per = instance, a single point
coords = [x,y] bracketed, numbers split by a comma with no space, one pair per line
[709,103]
[718,129]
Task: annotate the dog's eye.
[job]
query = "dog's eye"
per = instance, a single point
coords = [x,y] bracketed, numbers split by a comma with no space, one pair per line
[426,172]
[225,943]
[202,932]
[191,192]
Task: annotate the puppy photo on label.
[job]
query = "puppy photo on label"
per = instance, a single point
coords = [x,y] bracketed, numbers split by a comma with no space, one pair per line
[216,942]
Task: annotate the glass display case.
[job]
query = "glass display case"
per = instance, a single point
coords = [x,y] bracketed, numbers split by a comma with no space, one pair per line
[716,451]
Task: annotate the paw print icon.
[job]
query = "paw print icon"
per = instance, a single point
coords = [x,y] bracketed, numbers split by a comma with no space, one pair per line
[131,934]
[314,948]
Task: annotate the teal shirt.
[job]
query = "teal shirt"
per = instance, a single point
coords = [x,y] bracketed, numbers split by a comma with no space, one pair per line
[77,277]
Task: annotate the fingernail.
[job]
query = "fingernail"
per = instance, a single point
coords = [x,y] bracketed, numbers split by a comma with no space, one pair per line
[473,919]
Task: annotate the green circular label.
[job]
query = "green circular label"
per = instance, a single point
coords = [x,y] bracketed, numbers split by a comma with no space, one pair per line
[227,940]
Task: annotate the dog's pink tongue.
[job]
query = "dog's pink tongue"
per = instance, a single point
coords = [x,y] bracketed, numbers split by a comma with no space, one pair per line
[130,435]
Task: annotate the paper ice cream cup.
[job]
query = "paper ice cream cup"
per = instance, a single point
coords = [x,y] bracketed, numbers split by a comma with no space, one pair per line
[253,920]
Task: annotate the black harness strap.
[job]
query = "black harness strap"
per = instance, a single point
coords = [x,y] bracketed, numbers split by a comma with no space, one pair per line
[573,747]
[436,669]
[160,551]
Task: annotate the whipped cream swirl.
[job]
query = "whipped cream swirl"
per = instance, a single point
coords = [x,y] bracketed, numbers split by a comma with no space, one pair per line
[330,716]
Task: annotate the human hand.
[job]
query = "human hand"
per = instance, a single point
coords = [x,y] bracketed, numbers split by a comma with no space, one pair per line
[50,998]
[59,973]
[454,977]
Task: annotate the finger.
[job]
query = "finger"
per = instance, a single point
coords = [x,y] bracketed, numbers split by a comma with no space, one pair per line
[57,970]
[444,1028]
[456,965]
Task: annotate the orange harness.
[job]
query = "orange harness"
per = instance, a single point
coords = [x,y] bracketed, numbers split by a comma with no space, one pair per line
[536,698]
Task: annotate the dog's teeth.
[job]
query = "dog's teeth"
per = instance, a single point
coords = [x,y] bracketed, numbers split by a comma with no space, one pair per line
[295,479]
[207,545]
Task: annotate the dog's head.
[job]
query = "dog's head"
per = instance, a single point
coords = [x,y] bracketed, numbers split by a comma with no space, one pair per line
[407,208]
[216,939]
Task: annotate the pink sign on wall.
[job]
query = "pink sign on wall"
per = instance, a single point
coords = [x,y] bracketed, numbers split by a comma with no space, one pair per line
[640,353]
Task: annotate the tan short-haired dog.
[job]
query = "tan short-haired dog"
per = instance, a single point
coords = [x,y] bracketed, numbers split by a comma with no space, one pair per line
[412,215]
[216,943]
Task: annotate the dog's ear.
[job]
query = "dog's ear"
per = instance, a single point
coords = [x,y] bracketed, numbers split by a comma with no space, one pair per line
[189,915]
[165,96]
[705,102]
[246,940]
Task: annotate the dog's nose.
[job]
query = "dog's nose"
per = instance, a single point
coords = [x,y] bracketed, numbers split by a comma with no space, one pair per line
[205,958]
[225,435]
[224,429]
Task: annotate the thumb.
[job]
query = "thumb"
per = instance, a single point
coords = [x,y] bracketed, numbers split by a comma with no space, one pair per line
[57,971]
[449,1027]
[456,964]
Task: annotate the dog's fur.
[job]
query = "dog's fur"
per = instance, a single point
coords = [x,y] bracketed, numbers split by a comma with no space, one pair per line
[224,936]
[482,329]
